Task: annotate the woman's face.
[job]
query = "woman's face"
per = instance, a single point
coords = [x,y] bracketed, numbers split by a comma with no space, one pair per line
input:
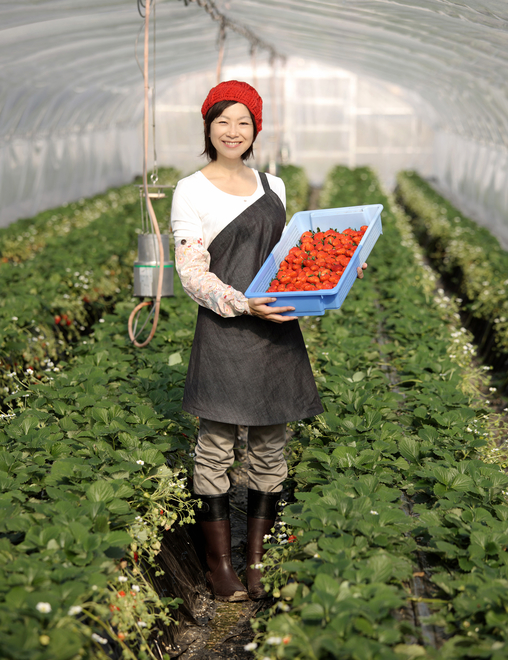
[232,132]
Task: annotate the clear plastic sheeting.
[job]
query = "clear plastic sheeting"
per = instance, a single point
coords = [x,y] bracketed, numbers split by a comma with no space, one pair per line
[71,93]
[67,69]
[46,171]
[474,177]
[337,118]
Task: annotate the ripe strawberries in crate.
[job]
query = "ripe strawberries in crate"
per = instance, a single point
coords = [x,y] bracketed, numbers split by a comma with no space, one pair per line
[318,261]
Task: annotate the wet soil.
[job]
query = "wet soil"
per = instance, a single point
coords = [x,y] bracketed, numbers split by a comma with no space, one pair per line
[220,630]
[315,191]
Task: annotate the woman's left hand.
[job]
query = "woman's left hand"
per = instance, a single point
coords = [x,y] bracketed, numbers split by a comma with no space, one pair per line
[360,270]
[259,307]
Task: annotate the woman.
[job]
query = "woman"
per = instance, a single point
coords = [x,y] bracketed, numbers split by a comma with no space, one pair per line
[248,364]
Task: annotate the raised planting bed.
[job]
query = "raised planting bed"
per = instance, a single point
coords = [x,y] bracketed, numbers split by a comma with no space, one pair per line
[468,257]
[94,458]
[395,544]
[93,470]
[297,188]
[63,285]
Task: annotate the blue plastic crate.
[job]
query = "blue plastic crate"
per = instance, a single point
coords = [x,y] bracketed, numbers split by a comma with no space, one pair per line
[315,303]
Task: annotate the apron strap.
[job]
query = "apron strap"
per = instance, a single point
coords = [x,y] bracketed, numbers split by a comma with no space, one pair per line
[264,181]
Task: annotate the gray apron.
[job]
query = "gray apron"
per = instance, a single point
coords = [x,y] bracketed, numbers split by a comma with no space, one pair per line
[245,370]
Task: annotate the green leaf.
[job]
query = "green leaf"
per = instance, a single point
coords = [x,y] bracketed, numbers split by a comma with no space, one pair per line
[119,507]
[462,482]
[85,401]
[409,449]
[498,479]
[64,644]
[502,512]
[100,415]
[381,567]
[444,475]
[79,531]
[152,457]
[16,597]
[118,539]
[363,626]
[320,455]
[345,455]
[123,490]
[410,651]
[101,525]
[67,424]
[440,490]
[400,463]
[312,611]
[100,491]
[28,423]
[101,356]
[448,549]
[331,420]
[144,413]
[327,584]
[289,591]
[429,433]
[61,407]
[174,358]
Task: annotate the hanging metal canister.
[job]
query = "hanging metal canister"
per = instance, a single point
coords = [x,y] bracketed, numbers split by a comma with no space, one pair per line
[146,268]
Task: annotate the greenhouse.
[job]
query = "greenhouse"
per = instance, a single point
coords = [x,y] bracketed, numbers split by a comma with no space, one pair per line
[186,470]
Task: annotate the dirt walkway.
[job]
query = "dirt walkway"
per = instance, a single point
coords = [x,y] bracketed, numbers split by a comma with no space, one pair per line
[221,630]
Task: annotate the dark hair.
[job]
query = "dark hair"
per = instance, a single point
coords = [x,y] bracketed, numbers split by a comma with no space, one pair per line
[215,111]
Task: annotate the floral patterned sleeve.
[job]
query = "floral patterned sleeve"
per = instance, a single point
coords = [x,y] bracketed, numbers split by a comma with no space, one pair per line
[192,265]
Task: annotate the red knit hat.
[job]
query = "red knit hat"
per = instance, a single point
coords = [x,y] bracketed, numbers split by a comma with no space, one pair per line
[241,92]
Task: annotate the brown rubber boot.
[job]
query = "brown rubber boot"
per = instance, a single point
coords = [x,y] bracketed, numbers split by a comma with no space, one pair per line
[213,518]
[261,511]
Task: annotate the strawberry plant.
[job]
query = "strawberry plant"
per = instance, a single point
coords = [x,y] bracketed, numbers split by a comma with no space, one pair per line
[92,471]
[86,489]
[390,489]
[393,545]
[468,256]
[56,294]
[297,188]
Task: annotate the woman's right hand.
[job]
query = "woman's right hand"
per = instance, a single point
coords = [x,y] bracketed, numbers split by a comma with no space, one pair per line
[259,307]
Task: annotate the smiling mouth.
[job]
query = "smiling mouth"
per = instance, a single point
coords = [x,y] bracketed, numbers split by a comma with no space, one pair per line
[231,144]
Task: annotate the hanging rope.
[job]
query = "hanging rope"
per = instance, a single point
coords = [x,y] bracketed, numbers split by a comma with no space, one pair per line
[141,6]
[272,167]
[221,40]
[256,44]
[258,145]
[149,208]
[216,15]
[155,170]
[254,67]
[282,115]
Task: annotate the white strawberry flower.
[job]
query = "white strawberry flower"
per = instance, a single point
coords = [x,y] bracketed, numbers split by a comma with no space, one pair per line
[75,609]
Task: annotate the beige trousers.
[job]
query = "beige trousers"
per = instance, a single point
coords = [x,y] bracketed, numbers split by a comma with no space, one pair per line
[266,466]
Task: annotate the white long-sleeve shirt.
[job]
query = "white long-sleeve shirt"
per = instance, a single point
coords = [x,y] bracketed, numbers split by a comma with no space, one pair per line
[200,211]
